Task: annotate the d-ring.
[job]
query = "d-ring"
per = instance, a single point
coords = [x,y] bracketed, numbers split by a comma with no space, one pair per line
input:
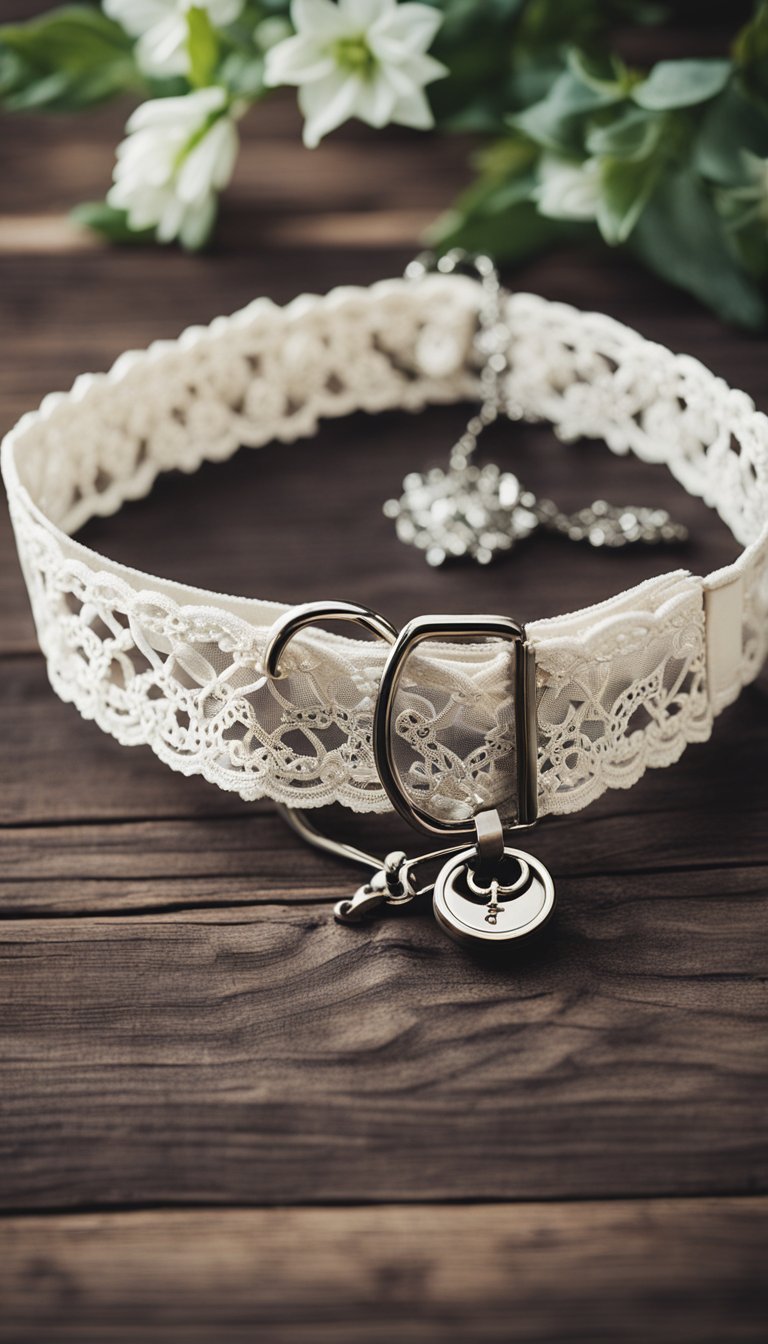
[446,628]
[288,625]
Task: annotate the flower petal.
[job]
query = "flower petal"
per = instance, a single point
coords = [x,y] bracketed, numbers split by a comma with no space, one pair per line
[567,190]
[197,223]
[170,220]
[209,164]
[409,27]
[423,69]
[413,110]
[136,16]
[162,49]
[361,15]
[191,109]
[317,18]
[326,103]
[376,100]
[296,60]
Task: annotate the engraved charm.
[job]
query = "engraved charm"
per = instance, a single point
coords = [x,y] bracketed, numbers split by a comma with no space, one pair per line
[515,903]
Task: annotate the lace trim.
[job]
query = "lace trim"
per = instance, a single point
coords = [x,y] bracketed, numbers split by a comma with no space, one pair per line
[622,686]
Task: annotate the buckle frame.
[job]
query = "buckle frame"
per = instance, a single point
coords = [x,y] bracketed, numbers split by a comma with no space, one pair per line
[447,627]
[410,637]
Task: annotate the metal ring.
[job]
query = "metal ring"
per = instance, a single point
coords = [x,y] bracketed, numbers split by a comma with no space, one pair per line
[308,613]
[448,627]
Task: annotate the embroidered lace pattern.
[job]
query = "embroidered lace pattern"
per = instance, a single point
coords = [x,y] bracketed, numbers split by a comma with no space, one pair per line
[621,686]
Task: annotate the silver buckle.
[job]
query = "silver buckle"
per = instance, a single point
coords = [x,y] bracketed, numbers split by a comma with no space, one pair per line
[446,628]
[474,872]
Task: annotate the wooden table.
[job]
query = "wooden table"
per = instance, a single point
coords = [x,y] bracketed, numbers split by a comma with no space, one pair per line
[226,1118]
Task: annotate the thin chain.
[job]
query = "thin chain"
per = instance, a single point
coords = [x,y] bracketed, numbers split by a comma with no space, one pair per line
[492,341]
[467,511]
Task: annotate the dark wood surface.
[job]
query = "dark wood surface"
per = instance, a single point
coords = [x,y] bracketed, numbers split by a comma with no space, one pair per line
[223,1117]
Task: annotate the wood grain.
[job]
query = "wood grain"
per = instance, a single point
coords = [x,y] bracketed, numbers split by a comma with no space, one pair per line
[266,1054]
[188,1040]
[670,1271]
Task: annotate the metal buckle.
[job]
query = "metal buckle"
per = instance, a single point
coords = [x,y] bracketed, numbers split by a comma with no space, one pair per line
[447,627]
[291,622]
[393,878]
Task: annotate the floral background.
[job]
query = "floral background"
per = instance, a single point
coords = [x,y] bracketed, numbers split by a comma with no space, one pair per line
[575,135]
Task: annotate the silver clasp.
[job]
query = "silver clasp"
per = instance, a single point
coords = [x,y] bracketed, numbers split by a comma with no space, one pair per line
[394,880]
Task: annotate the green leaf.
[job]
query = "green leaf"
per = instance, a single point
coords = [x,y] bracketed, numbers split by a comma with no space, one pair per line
[625,189]
[109,222]
[732,124]
[680,236]
[554,122]
[506,177]
[750,52]
[475,41]
[202,47]
[681,84]
[66,59]
[243,75]
[751,245]
[605,74]
[633,136]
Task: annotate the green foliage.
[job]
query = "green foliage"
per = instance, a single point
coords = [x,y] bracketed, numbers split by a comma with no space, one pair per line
[65,60]
[750,53]
[112,224]
[680,235]
[733,124]
[667,157]
[626,186]
[674,84]
[633,135]
[202,47]
[669,162]
[556,122]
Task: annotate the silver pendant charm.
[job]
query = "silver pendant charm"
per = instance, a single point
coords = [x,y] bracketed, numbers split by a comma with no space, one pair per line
[465,512]
[515,903]
[477,513]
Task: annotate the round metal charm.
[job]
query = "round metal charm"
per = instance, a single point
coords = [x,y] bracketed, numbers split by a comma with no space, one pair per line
[516,905]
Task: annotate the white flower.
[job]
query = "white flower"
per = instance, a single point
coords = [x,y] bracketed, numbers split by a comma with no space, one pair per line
[161,27]
[178,153]
[568,190]
[358,58]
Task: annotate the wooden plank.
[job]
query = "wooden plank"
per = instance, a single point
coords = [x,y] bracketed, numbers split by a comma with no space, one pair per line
[184,862]
[266,1055]
[57,767]
[269,1056]
[59,234]
[50,163]
[689,1271]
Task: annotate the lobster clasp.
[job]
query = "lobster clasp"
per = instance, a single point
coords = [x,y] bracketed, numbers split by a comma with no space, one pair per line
[390,884]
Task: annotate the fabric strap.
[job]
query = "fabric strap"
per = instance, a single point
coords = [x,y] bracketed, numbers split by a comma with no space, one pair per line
[620,686]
